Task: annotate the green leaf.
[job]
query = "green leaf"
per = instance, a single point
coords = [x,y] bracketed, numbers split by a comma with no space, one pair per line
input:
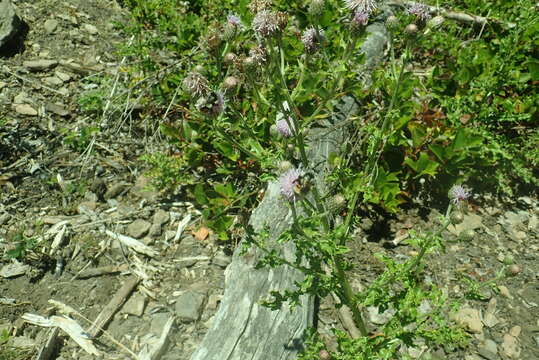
[418,132]
[439,151]
[423,166]
[533,68]
[464,140]
[200,194]
[226,149]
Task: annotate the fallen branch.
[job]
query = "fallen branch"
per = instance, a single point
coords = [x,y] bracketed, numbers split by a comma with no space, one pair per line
[453,15]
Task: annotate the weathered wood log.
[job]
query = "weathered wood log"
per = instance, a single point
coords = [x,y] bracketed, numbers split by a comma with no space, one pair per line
[243,329]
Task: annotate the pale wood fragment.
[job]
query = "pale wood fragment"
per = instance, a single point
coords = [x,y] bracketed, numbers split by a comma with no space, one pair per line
[113,306]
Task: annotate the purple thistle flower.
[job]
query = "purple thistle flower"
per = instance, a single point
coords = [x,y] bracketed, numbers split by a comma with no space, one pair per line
[290,184]
[365,6]
[266,23]
[421,11]
[283,128]
[361,18]
[458,194]
[234,19]
[312,38]
[219,104]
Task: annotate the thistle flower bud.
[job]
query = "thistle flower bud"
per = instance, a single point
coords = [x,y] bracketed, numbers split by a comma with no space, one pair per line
[324,355]
[392,21]
[258,5]
[456,217]
[229,58]
[316,7]
[284,166]
[195,84]
[435,22]
[233,27]
[467,235]
[231,82]
[411,29]
[249,63]
[336,203]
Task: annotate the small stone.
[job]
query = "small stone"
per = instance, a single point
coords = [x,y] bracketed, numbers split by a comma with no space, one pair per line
[221,260]
[3,84]
[155,230]
[13,270]
[138,228]
[158,322]
[213,301]
[86,207]
[62,76]
[50,25]
[510,346]
[52,81]
[40,65]
[504,291]
[515,331]
[90,29]
[470,319]
[25,109]
[143,189]
[135,305]
[160,217]
[57,109]
[188,306]
[514,270]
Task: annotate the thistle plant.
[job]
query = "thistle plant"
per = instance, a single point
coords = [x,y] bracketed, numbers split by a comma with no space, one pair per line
[323,217]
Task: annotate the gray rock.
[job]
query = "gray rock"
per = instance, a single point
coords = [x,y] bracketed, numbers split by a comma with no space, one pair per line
[158,322]
[57,109]
[221,260]
[90,29]
[50,25]
[488,349]
[52,81]
[10,23]
[25,109]
[160,217]
[135,305]
[40,65]
[138,228]
[189,305]
[155,230]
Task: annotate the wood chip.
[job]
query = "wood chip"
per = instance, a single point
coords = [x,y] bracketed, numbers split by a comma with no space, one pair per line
[133,244]
[201,234]
[69,326]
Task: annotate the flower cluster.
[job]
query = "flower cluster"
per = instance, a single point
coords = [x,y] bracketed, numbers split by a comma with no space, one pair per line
[312,38]
[259,5]
[458,194]
[290,183]
[212,104]
[421,11]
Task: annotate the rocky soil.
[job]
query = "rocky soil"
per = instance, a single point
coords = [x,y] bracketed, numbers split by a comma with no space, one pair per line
[74,199]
